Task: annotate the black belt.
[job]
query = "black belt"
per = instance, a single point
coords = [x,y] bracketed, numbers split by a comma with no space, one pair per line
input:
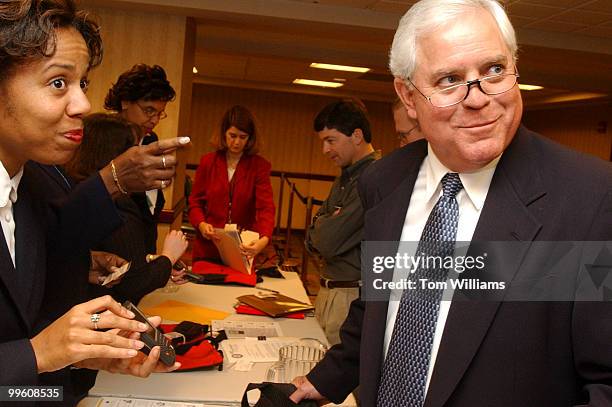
[340,284]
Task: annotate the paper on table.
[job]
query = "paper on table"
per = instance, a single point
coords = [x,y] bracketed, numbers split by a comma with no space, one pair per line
[181,311]
[126,402]
[243,329]
[254,350]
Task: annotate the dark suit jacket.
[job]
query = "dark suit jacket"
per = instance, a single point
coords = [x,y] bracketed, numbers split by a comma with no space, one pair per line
[77,218]
[21,289]
[46,229]
[495,353]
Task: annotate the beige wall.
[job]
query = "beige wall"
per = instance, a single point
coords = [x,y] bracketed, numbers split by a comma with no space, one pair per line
[285,122]
[128,40]
[583,128]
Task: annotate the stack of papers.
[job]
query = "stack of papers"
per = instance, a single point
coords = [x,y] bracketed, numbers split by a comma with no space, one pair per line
[254,350]
[247,329]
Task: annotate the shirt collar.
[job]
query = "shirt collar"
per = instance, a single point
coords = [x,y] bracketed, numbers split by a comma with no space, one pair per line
[352,169]
[475,184]
[8,185]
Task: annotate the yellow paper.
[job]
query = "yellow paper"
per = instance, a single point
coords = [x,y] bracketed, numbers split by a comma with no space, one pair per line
[181,311]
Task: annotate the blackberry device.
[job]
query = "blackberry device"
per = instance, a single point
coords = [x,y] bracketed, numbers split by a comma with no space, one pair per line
[153,337]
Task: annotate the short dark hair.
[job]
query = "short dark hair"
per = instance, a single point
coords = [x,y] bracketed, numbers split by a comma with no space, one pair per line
[241,118]
[105,136]
[345,117]
[140,82]
[27,31]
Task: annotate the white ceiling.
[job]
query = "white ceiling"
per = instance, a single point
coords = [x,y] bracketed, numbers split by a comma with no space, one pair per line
[565,45]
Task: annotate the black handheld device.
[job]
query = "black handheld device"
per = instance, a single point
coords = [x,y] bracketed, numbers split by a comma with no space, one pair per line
[153,337]
[196,278]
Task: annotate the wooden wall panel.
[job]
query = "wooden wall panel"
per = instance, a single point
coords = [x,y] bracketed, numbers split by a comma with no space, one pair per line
[583,128]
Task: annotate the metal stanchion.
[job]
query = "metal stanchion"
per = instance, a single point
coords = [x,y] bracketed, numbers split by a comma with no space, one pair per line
[279,209]
[289,219]
[305,255]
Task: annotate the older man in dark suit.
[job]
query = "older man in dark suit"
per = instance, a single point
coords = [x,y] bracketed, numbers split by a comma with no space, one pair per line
[477,177]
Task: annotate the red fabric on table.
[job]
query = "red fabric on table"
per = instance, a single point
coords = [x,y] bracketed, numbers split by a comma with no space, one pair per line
[247,309]
[227,275]
[201,356]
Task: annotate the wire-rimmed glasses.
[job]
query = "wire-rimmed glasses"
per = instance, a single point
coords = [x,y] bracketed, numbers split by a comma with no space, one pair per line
[151,112]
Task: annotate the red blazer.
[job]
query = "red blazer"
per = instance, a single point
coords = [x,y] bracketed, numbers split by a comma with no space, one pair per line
[251,191]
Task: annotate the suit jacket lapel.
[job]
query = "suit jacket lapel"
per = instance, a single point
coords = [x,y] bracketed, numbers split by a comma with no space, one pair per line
[55,174]
[505,217]
[20,281]
[8,275]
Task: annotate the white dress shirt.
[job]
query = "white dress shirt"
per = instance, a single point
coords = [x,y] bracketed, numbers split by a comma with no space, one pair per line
[8,196]
[427,190]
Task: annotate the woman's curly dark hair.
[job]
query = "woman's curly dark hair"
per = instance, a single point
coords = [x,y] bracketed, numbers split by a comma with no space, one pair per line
[140,82]
[27,31]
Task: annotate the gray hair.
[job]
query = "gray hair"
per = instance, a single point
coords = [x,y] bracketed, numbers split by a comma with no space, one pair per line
[426,16]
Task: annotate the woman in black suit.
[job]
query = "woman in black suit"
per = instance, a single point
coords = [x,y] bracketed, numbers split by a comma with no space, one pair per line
[46,51]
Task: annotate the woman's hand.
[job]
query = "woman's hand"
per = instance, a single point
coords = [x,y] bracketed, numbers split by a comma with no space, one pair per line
[175,245]
[74,336]
[142,168]
[101,266]
[207,230]
[140,365]
[253,248]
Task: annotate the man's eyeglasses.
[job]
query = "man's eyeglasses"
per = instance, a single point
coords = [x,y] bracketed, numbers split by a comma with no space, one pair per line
[151,112]
[489,85]
[401,135]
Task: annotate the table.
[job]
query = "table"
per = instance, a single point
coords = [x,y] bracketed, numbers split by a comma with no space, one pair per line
[209,387]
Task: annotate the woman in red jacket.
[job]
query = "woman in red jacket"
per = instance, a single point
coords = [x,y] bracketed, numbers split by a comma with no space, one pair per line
[232,185]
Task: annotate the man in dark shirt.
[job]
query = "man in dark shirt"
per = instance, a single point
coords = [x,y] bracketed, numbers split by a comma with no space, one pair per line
[335,233]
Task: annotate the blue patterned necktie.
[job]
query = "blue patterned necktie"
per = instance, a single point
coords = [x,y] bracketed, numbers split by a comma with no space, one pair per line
[404,372]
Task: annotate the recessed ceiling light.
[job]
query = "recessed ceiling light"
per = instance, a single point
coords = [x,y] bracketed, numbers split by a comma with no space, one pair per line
[323,84]
[523,86]
[346,68]
[195,70]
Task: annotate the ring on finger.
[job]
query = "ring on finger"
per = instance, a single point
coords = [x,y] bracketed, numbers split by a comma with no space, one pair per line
[164,160]
[95,318]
